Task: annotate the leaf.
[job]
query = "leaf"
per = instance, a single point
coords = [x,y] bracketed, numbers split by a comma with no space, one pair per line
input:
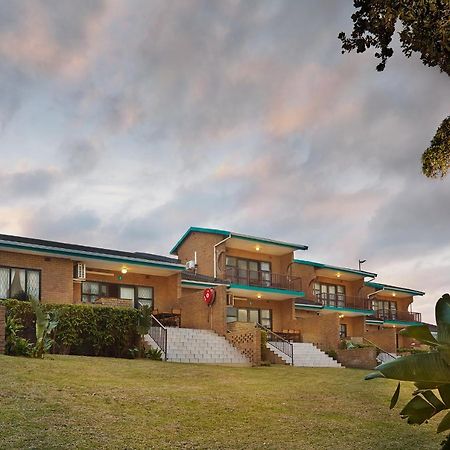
[444,391]
[417,410]
[373,375]
[420,367]
[431,398]
[445,424]
[419,332]
[443,319]
[394,398]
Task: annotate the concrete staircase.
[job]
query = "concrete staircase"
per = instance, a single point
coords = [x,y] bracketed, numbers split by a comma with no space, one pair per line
[306,355]
[187,345]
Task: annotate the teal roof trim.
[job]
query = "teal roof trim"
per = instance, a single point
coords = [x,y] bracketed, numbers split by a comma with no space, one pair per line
[267,290]
[340,269]
[401,322]
[76,254]
[307,306]
[225,234]
[388,287]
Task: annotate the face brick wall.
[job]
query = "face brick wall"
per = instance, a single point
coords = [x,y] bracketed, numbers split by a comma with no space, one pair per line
[195,313]
[166,290]
[56,274]
[247,339]
[385,338]
[322,330]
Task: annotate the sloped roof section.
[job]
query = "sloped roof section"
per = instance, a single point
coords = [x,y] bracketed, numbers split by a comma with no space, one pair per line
[233,234]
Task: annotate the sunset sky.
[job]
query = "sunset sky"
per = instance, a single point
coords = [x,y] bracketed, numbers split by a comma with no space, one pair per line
[125,122]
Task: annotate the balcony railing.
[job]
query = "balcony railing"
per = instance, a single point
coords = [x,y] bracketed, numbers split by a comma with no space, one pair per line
[263,278]
[342,301]
[405,316]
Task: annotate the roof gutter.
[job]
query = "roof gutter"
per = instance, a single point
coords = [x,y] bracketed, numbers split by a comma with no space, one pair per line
[215,253]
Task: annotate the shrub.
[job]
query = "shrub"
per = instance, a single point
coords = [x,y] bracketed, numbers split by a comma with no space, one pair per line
[16,345]
[154,353]
[82,329]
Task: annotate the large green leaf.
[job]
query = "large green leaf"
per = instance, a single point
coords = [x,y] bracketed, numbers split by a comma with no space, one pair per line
[443,319]
[431,398]
[421,368]
[417,410]
[394,398]
[444,391]
[445,424]
[419,332]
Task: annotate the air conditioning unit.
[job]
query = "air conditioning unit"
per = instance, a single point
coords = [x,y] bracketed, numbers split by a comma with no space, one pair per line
[190,265]
[79,272]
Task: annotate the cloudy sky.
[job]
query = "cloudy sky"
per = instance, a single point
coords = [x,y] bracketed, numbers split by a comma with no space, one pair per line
[122,123]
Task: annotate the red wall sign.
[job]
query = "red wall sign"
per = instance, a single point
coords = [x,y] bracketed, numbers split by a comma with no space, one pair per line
[209,295]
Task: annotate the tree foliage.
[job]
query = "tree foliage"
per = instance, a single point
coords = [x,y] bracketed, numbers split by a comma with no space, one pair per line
[430,372]
[436,158]
[424,28]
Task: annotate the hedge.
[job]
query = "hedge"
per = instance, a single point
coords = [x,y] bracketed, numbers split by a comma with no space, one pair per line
[83,329]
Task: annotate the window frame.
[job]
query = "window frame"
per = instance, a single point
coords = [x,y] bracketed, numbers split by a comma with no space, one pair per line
[10,268]
[339,297]
[235,315]
[248,280]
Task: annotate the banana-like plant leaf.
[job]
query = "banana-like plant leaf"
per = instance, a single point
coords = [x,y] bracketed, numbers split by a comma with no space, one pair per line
[373,375]
[420,367]
[419,332]
[394,398]
[433,400]
[445,424]
[427,386]
[443,319]
[417,410]
[41,319]
[444,391]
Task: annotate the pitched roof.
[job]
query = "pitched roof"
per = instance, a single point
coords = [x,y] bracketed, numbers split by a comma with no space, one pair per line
[390,287]
[338,268]
[226,233]
[32,244]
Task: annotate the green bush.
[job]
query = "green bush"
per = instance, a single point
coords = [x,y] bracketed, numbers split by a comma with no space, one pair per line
[82,329]
[154,353]
[15,344]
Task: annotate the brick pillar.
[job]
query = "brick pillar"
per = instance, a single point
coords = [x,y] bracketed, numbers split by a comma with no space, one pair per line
[2,329]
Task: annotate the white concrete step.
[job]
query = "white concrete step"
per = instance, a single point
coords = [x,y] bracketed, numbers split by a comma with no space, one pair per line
[189,345]
[306,355]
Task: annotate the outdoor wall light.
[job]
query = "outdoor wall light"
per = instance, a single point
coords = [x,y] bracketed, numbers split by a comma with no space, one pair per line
[338,275]
[259,296]
[257,248]
[393,294]
[124,270]
[341,316]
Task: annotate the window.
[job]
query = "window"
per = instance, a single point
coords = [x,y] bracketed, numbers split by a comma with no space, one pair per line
[145,296]
[343,330]
[386,309]
[263,316]
[248,272]
[20,283]
[91,291]
[139,295]
[330,294]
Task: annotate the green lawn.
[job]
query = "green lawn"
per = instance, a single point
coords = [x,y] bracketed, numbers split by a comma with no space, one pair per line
[81,402]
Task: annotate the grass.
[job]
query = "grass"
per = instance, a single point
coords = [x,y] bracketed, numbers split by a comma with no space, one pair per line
[82,402]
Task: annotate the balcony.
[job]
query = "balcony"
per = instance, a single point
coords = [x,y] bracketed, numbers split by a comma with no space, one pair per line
[264,279]
[342,301]
[403,316]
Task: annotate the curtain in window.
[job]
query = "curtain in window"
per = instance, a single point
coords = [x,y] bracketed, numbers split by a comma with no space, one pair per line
[18,282]
[33,284]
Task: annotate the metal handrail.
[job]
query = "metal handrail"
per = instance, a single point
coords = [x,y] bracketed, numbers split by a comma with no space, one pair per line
[379,348]
[158,332]
[340,300]
[409,316]
[263,278]
[279,343]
